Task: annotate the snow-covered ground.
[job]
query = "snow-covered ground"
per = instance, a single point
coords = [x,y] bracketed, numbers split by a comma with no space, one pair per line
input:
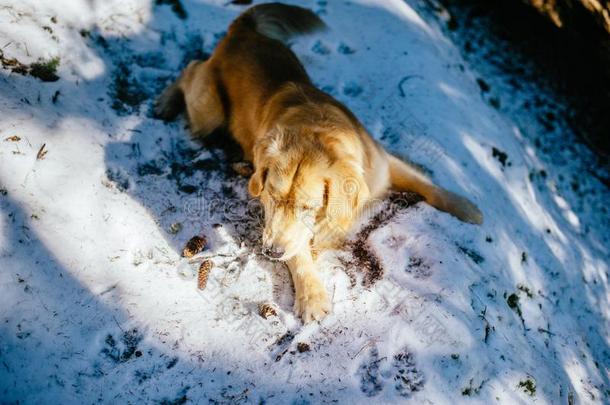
[97,305]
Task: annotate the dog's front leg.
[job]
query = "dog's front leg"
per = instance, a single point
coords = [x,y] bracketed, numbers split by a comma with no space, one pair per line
[311,300]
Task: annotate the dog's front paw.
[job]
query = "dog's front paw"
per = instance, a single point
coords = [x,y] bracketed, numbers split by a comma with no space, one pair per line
[312,303]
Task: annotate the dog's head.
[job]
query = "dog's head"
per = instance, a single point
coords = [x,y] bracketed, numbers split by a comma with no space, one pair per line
[303,184]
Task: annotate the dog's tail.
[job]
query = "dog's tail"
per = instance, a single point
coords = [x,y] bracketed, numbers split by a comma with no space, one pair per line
[280,21]
[404,177]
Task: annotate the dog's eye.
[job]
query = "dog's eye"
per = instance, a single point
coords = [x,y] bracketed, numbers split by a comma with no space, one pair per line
[265,172]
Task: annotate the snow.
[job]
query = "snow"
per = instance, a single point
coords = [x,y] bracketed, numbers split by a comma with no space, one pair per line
[98,305]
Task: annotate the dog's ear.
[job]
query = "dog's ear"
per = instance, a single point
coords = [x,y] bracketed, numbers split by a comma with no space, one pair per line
[345,192]
[257,182]
[264,149]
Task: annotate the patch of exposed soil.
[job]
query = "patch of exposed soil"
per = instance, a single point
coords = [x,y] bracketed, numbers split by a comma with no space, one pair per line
[363,260]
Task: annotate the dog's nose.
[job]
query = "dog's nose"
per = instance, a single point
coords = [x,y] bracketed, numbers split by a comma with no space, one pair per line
[273,252]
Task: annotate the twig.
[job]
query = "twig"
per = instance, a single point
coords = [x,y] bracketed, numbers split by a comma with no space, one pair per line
[41,152]
[367,344]
[403,80]
[107,290]
[203,256]
[117,324]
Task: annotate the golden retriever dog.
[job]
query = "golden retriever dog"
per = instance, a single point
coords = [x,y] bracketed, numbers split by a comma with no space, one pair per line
[315,165]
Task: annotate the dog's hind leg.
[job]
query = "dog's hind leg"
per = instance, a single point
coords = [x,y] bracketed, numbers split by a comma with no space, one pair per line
[196,90]
[404,177]
[170,103]
[203,104]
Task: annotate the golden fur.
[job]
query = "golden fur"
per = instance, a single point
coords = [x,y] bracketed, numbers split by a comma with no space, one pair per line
[316,167]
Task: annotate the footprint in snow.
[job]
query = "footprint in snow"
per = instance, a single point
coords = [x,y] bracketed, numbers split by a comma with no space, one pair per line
[371,383]
[345,49]
[320,48]
[352,89]
[407,378]
[400,371]
[322,7]
[123,349]
[418,267]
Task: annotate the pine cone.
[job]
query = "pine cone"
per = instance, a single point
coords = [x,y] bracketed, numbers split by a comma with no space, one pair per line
[194,246]
[204,271]
[266,310]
